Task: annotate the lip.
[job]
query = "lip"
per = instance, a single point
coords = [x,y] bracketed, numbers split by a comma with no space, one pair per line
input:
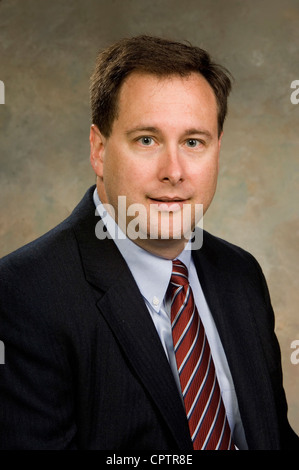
[167,199]
[167,203]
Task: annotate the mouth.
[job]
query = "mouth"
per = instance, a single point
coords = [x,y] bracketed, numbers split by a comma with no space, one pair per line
[167,203]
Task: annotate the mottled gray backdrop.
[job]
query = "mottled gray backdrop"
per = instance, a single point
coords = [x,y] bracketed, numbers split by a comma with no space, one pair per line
[47,52]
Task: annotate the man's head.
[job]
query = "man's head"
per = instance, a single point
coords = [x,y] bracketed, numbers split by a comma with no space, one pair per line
[156,56]
[156,134]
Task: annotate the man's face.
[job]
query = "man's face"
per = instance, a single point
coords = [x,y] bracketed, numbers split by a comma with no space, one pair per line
[162,153]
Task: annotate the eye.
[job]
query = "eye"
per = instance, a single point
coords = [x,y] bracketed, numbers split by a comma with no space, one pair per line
[145,140]
[193,143]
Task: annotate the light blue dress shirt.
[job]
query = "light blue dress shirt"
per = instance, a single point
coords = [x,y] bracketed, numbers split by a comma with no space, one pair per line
[152,276]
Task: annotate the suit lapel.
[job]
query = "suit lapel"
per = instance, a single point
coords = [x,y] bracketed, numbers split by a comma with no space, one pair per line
[233,316]
[122,306]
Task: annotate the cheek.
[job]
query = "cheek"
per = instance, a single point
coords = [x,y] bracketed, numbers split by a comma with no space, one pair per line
[207,175]
[213,175]
[122,176]
[205,184]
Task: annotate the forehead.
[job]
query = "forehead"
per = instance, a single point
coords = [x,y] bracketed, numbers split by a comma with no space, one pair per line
[148,95]
[193,83]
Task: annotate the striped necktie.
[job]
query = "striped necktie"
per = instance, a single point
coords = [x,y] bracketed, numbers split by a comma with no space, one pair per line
[208,425]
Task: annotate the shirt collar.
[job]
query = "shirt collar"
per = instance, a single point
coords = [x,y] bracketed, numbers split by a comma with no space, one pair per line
[151,273]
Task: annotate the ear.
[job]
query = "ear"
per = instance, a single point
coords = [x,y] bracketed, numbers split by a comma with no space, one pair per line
[97,146]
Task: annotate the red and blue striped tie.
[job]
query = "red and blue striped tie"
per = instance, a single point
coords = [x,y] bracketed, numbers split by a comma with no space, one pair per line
[208,425]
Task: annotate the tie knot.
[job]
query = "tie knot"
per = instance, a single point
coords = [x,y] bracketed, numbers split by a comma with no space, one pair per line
[179,275]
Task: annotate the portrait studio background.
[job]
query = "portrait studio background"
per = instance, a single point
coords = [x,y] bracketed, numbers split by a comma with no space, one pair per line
[47,53]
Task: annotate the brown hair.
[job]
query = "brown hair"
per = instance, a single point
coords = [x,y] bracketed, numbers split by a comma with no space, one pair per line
[153,55]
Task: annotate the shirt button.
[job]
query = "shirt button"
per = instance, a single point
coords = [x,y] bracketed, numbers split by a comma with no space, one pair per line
[156,301]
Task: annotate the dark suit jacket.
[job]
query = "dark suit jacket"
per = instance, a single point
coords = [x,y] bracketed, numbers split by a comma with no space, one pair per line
[84,367]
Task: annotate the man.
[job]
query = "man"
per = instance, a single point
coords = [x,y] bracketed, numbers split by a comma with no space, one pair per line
[115,341]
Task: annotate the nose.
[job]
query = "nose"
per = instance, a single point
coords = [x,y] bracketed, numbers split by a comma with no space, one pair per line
[170,166]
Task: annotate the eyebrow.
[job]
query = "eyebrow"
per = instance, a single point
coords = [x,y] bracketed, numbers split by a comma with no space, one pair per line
[155,130]
[193,131]
[142,129]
